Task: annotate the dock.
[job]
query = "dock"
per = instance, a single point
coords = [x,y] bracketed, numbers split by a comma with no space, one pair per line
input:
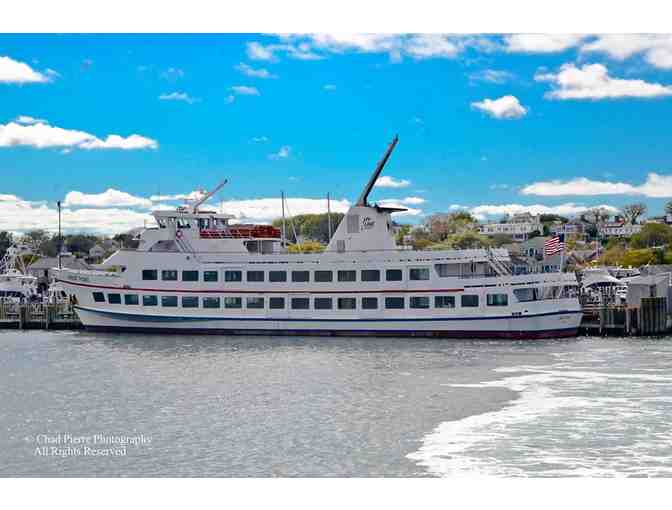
[650,318]
[38,316]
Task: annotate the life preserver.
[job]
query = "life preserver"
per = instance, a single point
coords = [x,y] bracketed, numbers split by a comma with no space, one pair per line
[178,234]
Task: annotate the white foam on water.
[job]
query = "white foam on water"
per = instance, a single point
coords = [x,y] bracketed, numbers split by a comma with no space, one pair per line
[565,422]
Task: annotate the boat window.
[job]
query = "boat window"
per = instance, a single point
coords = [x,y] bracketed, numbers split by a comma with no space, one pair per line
[370,303]
[169,301]
[394,303]
[394,275]
[324,303]
[347,276]
[550,292]
[189,276]
[370,275]
[497,299]
[255,302]
[150,274]
[255,276]
[300,276]
[444,301]
[210,276]
[419,302]
[469,300]
[276,303]
[233,276]
[233,302]
[526,294]
[114,299]
[324,276]
[347,303]
[277,276]
[211,302]
[150,301]
[570,291]
[131,299]
[418,273]
[169,275]
[99,297]
[189,302]
[300,303]
[447,270]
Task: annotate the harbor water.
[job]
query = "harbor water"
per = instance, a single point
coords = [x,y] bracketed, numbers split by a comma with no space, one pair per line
[321,407]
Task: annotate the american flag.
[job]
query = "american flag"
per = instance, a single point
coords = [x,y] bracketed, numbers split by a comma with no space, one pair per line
[554,245]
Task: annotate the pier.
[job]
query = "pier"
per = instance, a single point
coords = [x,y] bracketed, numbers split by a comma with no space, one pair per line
[650,318]
[38,316]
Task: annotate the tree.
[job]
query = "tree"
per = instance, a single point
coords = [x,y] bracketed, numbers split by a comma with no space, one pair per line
[404,230]
[668,207]
[467,240]
[652,234]
[306,247]
[552,218]
[310,226]
[6,240]
[633,211]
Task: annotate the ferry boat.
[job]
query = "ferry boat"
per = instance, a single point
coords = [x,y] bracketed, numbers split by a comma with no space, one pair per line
[197,272]
[15,284]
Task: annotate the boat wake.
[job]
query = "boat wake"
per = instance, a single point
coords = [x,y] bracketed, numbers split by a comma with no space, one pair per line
[565,422]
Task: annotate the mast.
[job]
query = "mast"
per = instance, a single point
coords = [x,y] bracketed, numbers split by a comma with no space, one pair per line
[374,177]
[282,199]
[205,197]
[329,214]
[60,237]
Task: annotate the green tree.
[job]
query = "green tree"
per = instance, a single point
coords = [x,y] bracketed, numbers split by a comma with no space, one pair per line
[668,207]
[652,234]
[6,240]
[467,240]
[310,226]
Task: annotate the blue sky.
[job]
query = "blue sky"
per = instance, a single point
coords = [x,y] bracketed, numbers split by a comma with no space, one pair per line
[491,123]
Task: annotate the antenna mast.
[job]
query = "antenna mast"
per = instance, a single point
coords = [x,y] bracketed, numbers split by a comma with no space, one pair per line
[329,214]
[205,197]
[376,173]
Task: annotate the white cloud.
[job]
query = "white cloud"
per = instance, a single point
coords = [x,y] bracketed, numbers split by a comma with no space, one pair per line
[18,215]
[403,203]
[655,48]
[506,107]
[268,209]
[254,73]
[655,186]
[541,43]
[43,136]
[173,73]
[13,71]
[27,120]
[302,51]
[283,153]
[569,209]
[260,139]
[386,181]
[194,195]
[178,96]
[492,76]
[241,90]
[329,87]
[592,81]
[109,198]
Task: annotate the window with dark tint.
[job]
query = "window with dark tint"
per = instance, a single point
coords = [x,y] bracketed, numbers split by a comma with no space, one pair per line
[300,276]
[233,302]
[370,303]
[255,276]
[99,297]
[394,275]
[418,273]
[347,303]
[277,276]
[169,275]
[299,303]
[323,303]
[276,303]
[498,299]
[347,276]
[469,300]
[169,301]
[150,274]
[526,294]
[444,302]
[233,276]
[114,299]
[210,276]
[370,275]
[419,302]
[324,276]
[131,299]
[255,302]
[150,301]
[190,302]
[189,276]
[211,302]
[394,303]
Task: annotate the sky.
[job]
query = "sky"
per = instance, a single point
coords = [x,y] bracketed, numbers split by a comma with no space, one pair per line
[115,126]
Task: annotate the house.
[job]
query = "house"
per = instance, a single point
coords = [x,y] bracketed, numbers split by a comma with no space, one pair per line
[576,228]
[96,251]
[43,267]
[519,227]
[618,229]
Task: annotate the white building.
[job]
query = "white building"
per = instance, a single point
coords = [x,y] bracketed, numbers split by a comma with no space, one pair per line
[618,230]
[519,227]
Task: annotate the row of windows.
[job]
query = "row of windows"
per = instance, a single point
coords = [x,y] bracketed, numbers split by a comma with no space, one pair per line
[366,275]
[302,303]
